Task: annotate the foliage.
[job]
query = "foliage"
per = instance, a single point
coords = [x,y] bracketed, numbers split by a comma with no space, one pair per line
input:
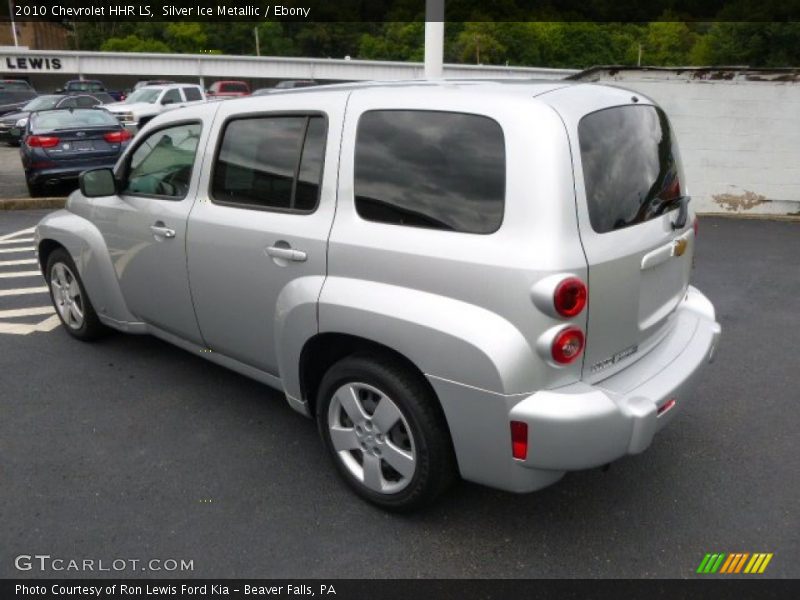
[545,43]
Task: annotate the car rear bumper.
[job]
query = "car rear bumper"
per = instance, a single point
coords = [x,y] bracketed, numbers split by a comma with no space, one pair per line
[67,172]
[581,426]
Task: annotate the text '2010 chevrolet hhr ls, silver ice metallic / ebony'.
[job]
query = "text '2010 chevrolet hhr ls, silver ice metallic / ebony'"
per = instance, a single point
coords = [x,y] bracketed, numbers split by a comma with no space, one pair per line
[488,279]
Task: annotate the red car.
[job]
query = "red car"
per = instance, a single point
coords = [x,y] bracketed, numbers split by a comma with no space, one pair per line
[228,89]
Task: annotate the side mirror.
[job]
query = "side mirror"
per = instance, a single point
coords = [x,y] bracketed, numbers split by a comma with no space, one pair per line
[95,183]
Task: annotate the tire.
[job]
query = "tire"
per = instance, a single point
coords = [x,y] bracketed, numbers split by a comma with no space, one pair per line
[63,280]
[409,463]
[35,190]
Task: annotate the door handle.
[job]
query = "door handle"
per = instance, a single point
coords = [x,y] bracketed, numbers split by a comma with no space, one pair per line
[287,253]
[161,230]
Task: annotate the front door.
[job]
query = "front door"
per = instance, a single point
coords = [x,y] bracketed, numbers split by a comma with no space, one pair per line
[260,225]
[145,227]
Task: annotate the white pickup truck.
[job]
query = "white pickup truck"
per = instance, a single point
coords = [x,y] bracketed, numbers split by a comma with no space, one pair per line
[150,101]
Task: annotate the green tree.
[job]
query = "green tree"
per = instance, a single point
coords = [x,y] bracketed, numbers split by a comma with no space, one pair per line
[187,37]
[133,43]
[395,41]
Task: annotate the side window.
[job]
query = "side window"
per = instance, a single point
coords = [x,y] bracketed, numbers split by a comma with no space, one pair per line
[173,96]
[271,163]
[192,94]
[439,170]
[68,103]
[87,101]
[161,165]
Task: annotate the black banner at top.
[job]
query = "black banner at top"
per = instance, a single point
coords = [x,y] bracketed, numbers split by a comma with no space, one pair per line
[400,10]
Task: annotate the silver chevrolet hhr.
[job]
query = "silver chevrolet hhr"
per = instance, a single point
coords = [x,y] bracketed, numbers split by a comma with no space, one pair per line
[484,279]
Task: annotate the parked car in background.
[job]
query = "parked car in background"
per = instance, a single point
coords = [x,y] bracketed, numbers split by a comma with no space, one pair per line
[150,101]
[13,124]
[15,84]
[228,89]
[483,278]
[286,85]
[57,145]
[13,100]
[77,86]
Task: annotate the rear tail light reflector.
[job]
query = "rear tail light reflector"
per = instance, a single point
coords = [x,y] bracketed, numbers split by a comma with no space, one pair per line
[115,137]
[42,141]
[567,345]
[569,297]
[666,406]
[519,440]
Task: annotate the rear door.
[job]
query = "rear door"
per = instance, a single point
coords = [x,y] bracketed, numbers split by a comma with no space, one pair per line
[629,185]
[260,227]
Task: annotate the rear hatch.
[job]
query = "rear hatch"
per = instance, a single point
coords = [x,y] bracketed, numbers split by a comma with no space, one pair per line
[629,188]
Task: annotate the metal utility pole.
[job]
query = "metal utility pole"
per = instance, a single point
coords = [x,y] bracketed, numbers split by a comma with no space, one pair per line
[13,24]
[434,38]
[258,43]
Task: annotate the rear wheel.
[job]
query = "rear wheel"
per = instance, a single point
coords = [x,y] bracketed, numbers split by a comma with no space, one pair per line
[385,432]
[70,299]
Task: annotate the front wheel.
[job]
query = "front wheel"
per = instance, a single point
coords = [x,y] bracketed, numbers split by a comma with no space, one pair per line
[70,299]
[385,432]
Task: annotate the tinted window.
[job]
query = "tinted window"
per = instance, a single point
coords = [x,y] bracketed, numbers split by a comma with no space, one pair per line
[52,120]
[192,94]
[631,166]
[87,101]
[68,103]
[233,87]
[12,96]
[172,95]
[271,162]
[162,164]
[430,169]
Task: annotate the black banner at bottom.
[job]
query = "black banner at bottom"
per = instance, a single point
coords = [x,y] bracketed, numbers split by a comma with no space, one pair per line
[401,589]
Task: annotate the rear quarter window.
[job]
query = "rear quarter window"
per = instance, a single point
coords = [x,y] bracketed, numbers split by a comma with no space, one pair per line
[438,170]
[631,166]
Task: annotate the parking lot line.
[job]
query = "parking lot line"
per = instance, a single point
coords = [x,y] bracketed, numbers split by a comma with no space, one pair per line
[16,241]
[26,312]
[9,263]
[23,291]
[14,234]
[24,329]
[12,250]
[19,274]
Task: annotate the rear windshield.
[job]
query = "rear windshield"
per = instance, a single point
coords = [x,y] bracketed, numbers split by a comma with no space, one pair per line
[631,166]
[13,96]
[84,86]
[55,120]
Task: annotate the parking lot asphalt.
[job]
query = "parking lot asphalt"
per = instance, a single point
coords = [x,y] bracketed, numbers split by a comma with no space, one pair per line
[131,448]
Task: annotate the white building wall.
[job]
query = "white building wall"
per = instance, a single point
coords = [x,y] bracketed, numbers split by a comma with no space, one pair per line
[739,137]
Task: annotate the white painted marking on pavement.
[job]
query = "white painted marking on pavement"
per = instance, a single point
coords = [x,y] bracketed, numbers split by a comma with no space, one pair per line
[26,312]
[24,291]
[18,241]
[48,324]
[14,234]
[19,274]
[10,263]
[13,250]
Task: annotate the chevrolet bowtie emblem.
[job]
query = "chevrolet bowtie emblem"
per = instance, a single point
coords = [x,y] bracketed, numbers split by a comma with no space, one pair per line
[680,247]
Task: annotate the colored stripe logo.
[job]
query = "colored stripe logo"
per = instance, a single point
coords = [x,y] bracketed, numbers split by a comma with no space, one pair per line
[736,562]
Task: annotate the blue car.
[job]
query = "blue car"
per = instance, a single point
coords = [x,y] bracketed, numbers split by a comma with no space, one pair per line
[59,144]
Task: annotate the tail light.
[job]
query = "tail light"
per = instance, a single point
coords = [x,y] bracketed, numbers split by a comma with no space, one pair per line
[42,141]
[570,296]
[519,440]
[115,137]
[567,345]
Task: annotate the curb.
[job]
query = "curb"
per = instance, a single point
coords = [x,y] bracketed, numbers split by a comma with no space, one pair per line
[31,203]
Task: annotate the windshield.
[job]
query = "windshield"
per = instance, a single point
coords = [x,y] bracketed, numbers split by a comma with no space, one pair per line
[84,86]
[148,95]
[42,103]
[55,120]
[14,96]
